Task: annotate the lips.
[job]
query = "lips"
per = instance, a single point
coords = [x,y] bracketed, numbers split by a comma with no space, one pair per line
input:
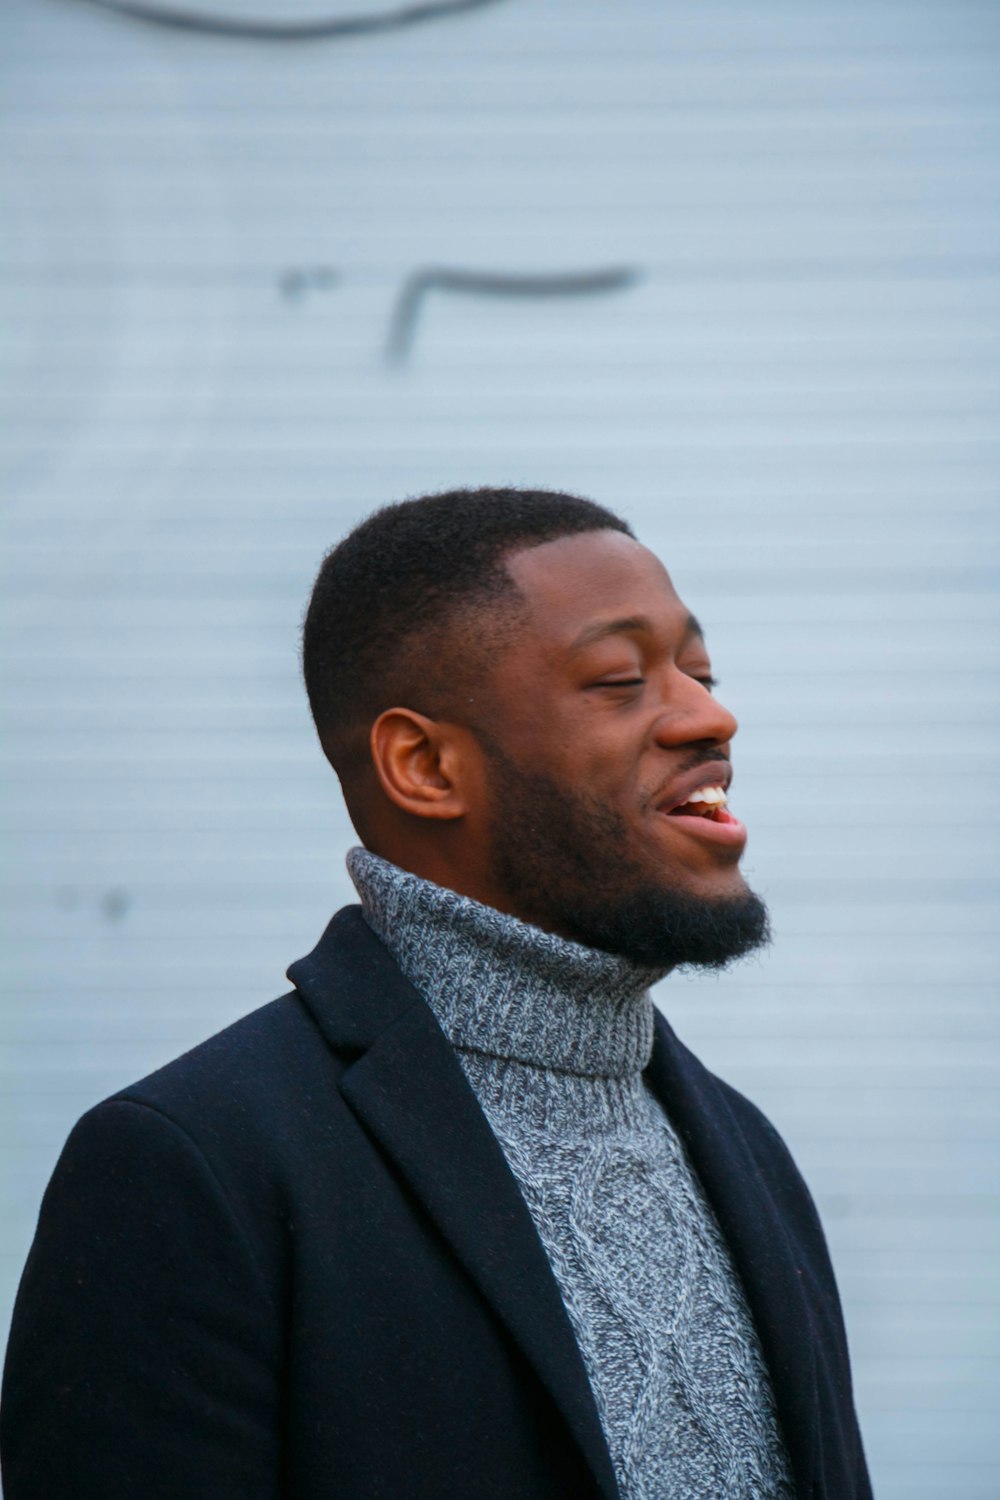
[696,805]
[716,773]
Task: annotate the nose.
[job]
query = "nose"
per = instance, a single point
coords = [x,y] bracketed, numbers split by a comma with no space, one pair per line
[691,714]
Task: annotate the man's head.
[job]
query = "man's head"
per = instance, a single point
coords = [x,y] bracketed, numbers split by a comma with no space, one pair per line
[517,704]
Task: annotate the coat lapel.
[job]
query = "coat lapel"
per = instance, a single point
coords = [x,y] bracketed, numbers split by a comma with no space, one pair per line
[408,1089]
[756,1236]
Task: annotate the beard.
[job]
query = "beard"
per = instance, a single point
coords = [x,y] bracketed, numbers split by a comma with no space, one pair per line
[563,859]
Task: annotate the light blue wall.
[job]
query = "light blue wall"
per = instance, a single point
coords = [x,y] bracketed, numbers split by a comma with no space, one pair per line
[796,403]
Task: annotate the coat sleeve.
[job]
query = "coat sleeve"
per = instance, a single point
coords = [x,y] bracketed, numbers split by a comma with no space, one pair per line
[144,1358]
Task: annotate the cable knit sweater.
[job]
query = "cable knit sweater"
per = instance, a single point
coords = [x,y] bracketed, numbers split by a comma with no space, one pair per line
[553,1038]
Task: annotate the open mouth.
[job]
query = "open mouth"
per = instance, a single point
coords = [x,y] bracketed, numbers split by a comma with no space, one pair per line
[705,812]
[707,802]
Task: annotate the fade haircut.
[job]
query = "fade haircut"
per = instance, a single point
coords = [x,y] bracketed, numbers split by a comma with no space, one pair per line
[397,617]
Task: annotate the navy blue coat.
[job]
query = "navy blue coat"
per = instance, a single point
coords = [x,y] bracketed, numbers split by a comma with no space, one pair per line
[293,1263]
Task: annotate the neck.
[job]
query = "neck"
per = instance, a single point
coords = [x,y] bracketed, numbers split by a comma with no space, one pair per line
[505,989]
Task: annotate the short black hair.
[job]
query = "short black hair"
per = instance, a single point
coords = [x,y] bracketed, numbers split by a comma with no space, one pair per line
[386,597]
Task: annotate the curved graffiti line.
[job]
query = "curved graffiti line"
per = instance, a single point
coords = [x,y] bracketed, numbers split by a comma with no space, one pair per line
[289,31]
[403,327]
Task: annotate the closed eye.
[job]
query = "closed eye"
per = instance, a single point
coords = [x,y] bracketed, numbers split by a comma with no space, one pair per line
[708,682]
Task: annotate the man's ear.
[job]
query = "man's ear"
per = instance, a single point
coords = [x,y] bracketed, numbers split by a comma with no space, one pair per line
[418,763]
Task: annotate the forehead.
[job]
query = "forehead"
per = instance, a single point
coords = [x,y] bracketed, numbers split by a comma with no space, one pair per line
[576,584]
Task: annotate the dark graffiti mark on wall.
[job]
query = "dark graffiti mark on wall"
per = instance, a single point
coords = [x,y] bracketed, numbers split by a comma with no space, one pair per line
[402,330]
[115,905]
[297,280]
[290,31]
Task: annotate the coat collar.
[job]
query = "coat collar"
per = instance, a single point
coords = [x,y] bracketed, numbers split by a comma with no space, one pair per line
[439,1139]
[755,1233]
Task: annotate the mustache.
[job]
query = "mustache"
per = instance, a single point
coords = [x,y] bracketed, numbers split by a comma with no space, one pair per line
[703,755]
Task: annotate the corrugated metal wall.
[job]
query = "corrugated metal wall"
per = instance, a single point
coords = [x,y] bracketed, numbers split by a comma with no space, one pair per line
[793,395]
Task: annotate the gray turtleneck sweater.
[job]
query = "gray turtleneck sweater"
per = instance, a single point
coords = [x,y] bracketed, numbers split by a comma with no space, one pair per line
[554,1038]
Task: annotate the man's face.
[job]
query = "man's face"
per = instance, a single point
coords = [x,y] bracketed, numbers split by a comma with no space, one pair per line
[606,727]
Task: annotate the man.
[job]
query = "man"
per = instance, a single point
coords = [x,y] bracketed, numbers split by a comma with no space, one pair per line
[459,1215]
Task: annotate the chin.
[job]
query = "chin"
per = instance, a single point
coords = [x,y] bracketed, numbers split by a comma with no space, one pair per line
[676,928]
[720,882]
[729,886]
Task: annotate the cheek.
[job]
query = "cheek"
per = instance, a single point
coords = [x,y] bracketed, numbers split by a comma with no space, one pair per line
[607,777]
[573,740]
[540,738]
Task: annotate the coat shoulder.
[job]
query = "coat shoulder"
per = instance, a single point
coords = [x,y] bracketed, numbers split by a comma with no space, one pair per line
[258,1056]
[258,1101]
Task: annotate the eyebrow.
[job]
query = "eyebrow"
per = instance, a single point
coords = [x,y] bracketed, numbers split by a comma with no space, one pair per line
[627,625]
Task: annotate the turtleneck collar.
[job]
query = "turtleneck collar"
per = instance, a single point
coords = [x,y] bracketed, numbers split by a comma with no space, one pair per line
[504,989]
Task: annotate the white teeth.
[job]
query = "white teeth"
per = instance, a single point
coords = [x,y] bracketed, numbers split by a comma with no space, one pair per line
[712,794]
